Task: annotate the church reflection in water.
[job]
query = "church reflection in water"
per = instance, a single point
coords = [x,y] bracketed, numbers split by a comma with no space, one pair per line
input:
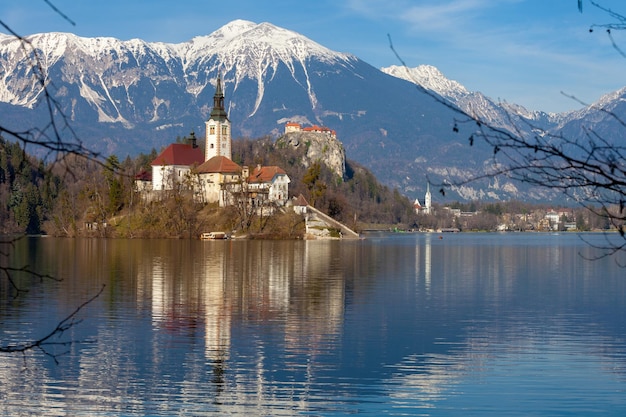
[300,284]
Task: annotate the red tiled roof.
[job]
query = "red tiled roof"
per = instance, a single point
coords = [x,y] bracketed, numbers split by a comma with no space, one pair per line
[219,164]
[179,154]
[265,174]
[144,176]
[316,128]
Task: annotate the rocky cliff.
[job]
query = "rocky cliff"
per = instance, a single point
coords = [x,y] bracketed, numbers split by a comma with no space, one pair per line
[319,147]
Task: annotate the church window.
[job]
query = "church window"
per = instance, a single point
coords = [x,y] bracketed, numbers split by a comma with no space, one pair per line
[211,130]
[224,130]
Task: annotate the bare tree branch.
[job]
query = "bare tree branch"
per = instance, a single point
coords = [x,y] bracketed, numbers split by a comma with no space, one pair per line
[620,25]
[64,16]
[57,139]
[45,343]
[590,170]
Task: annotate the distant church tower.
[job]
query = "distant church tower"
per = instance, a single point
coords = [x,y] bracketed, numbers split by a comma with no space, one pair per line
[218,141]
[427,200]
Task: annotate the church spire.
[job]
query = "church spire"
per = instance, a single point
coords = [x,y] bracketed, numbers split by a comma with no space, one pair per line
[427,199]
[218,112]
[218,139]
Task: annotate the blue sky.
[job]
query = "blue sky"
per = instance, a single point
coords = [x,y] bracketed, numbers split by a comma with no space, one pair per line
[527,52]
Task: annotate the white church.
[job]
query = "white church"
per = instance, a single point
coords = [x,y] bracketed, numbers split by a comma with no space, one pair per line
[427,207]
[212,175]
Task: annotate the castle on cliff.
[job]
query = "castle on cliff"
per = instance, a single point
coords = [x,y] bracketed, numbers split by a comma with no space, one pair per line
[296,127]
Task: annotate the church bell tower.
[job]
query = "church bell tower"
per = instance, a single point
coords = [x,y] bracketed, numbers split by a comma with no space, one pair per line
[218,140]
[427,200]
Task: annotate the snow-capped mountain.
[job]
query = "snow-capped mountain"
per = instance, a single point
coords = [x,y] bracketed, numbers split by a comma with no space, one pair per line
[498,114]
[106,71]
[126,97]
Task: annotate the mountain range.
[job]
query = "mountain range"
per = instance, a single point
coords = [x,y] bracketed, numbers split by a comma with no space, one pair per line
[126,97]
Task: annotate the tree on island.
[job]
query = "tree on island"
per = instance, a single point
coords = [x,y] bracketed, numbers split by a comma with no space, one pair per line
[591,171]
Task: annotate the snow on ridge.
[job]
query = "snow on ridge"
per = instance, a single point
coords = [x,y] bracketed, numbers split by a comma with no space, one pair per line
[255,50]
[259,49]
[261,41]
[236,37]
[429,77]
[474,103]
[226,32]
[241,43]
[607,100]
[605,103]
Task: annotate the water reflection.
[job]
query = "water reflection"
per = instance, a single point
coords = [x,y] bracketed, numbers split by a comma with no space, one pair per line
[294,285]
[406,325]
[520,372]
[426,260]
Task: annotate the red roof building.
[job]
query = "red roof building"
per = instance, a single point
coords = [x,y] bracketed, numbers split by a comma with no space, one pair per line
[219,176]
[296,127]
[179,154]
[219,164]
[319,129]
[143,180]
[143,176]
[273,180]
[266,174]
[173,165]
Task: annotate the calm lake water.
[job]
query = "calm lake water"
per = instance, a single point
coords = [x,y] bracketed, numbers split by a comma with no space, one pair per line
[398,325]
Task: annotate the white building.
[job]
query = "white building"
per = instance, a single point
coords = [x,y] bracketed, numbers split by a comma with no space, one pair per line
[427,207]
[272,180]
[174,164]
[218,176]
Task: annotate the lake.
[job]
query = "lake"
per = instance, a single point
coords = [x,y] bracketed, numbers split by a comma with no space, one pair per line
[516,324]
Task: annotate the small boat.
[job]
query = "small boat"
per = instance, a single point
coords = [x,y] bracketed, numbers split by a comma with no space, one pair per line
[213,235]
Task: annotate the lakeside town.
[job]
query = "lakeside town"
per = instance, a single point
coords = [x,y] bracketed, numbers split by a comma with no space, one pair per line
[497,217]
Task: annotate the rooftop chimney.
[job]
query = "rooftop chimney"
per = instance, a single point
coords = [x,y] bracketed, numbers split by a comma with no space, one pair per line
[191,140]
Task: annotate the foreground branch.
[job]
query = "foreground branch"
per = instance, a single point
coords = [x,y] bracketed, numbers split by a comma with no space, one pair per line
[45,343]
[590,170]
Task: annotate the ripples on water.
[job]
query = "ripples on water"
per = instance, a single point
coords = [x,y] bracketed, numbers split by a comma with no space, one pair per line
[476,324]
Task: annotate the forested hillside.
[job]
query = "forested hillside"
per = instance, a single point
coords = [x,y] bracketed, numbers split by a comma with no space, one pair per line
[27,190]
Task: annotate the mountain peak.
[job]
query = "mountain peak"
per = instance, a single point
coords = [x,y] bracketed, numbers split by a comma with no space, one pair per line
[263,40]
[236,27]
[247,50]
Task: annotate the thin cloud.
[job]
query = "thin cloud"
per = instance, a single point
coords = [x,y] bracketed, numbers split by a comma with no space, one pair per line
[426,15]
[476,28]
[447,16]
